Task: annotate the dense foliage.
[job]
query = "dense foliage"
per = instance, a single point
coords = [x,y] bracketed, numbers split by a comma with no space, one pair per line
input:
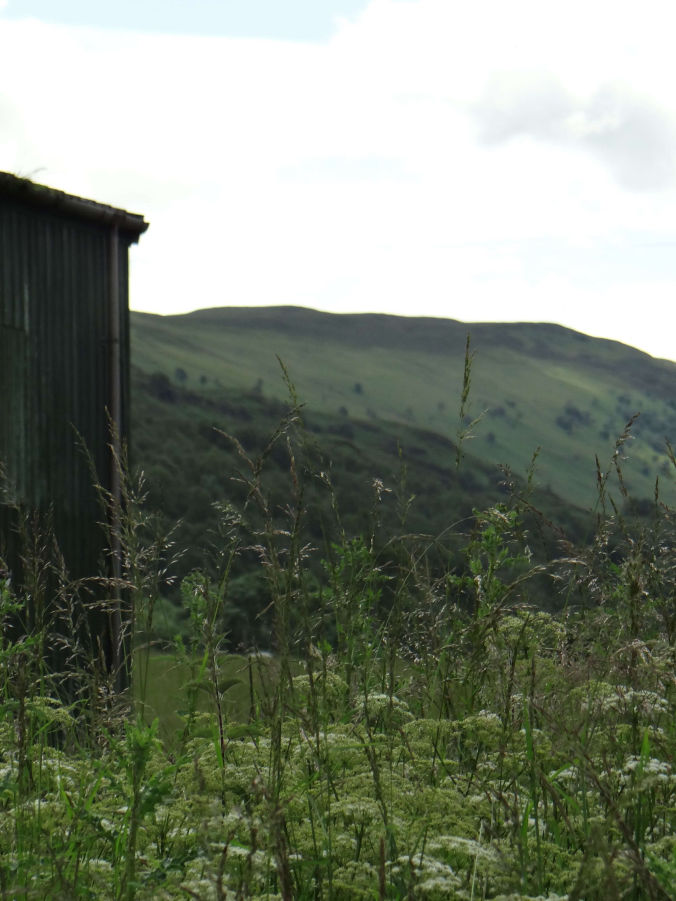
[422,730]
[192,466]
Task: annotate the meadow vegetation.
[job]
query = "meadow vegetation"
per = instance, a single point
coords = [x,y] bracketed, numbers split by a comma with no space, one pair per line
[421,726]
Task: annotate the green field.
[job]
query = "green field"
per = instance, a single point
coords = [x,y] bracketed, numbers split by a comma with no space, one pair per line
[168,687]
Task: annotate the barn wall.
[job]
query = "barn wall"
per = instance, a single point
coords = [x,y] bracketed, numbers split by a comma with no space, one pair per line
[55,369]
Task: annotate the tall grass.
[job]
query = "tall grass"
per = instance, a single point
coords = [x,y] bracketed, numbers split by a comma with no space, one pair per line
[419,731]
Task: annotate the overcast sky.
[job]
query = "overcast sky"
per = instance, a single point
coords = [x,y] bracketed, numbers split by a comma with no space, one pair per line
[483,160]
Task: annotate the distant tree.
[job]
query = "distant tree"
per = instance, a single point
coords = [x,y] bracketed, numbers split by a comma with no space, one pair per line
[203,380]
[342,411]
[181,375]
[161,387]
[358,388]
[572,418]
[343,429]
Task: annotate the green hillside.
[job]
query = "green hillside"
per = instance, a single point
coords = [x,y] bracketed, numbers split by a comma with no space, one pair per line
[538,385]
[359,478]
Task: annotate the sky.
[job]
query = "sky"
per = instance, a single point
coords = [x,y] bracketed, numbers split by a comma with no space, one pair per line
[483,161]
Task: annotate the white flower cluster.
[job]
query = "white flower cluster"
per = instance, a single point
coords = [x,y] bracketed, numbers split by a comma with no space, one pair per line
[432,877]
[605,698]
[468,846]
[380,708]
[646,773]
[520,897]
[569,774]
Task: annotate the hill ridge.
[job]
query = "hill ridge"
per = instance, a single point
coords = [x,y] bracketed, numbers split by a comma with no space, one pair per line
[540,384]
[286,316]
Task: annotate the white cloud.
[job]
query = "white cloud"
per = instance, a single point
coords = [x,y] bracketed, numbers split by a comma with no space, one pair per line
[418,162]
[631,134]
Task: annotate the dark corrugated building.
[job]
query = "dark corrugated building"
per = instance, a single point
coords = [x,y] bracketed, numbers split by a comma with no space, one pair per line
[64,369]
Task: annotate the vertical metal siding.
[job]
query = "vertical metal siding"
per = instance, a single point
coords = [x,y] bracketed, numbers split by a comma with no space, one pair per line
[54,371]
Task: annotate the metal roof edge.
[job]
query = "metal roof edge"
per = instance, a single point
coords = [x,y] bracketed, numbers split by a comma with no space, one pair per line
[27,191]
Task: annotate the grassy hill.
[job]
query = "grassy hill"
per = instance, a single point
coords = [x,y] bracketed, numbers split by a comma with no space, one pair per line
[360,478]
[538,385]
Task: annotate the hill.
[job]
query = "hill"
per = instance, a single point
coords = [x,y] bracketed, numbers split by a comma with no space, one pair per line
[537,385]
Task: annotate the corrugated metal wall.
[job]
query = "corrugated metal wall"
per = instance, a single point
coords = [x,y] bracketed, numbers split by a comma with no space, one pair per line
[55,372]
